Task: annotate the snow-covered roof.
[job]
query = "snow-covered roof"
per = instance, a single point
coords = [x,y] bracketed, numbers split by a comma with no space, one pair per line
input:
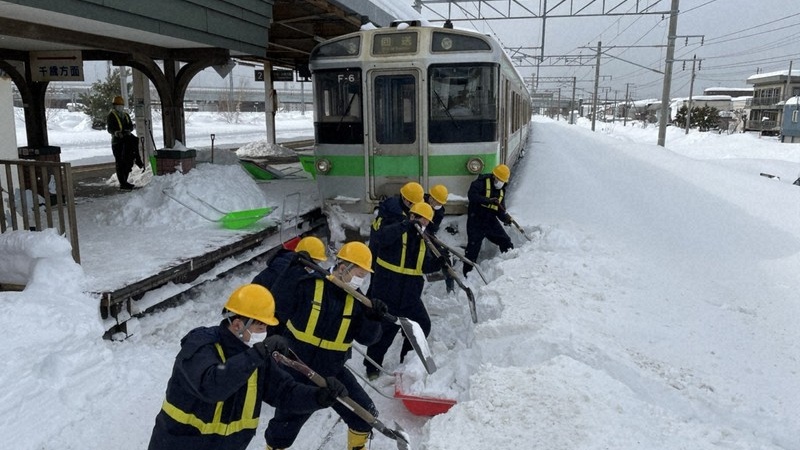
[752,79]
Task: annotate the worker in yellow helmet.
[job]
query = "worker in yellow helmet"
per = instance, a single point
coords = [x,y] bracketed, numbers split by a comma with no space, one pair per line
[124,145]
[283,272]
[485,213]
[223,373]
[321,328]
[401,260]
[437,198]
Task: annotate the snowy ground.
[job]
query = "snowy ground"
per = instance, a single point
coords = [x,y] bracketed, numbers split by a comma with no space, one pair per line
[654,308]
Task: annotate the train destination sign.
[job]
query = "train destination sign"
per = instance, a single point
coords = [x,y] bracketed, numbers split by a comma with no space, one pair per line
[392,44]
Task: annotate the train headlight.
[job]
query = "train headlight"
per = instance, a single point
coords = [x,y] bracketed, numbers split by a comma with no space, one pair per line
[475,165]
[323,166]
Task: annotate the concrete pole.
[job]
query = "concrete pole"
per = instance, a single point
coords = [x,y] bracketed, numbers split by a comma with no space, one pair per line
[572,104]
[673,29]
[625,109]
[143,113]
[596,85]
[270,102]
[691,88]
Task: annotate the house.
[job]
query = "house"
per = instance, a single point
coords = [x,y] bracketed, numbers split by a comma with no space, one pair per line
[790,125]
[770,90]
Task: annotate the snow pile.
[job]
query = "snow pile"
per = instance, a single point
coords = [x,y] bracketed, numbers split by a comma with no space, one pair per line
[264,149]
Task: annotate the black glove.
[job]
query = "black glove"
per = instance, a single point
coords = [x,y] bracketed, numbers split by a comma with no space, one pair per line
[378,310]
[443,261]
[494,201]
[326,396]
[506,219]
[272,344]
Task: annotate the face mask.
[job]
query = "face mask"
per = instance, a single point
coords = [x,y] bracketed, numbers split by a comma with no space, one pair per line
[255,338]
[356,282]
[119,108]
[437,207]
[498,185]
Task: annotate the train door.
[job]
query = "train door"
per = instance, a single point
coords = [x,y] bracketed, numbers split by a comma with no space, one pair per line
[394,148]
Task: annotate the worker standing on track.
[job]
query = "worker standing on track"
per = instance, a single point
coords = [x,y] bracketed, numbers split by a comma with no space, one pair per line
[401,260]
[223,373]
[321,327]
[286,267]
[486,207]
[395,209]
[437,198]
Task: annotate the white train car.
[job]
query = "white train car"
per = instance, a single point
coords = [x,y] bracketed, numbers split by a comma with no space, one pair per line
[413,103]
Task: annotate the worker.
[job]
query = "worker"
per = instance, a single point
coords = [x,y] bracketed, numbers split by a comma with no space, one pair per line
[321,328]
[285,266]
[486,210]
[395,209]
[437,198]
[124,145]
[223,373]
[401,260]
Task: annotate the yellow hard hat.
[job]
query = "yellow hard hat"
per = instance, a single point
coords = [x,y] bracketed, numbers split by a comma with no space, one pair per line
[412,191]
[357,253]
[313,246]
[439,193]
[118,100]
[253,301]
[502,172]
[422,209]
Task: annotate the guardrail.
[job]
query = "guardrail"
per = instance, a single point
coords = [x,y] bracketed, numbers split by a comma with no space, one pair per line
[35,195]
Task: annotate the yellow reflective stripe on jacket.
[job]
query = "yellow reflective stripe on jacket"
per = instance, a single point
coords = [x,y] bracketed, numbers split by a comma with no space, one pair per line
[248,421]
[417,270]
[116,116]
[489,194]
[308,335]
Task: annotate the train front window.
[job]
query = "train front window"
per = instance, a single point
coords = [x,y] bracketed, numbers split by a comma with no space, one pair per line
[462,103]
[338,102]
[395,109]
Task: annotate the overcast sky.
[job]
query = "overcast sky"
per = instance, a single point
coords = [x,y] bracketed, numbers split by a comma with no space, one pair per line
[739,38]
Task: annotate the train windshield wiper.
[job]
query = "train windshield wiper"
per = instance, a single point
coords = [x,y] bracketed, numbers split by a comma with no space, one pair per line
[346,111]
[446,109]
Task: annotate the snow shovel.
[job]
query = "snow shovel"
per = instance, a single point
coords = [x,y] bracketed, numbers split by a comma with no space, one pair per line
[458,255]
[399,436]
[232,220]
[411,329]
[473,311]
[520,229]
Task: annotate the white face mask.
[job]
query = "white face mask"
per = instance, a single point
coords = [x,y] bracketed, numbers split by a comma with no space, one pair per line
[356,282]
[119,108]
[437,207]
[255,338]
[499,184]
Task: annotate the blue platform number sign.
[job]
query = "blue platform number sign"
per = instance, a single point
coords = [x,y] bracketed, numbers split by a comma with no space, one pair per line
[56,66]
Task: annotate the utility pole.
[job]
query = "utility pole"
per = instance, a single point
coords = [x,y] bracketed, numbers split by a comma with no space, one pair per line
[596,84]
[625,109]
[673,29]
[691,88]
[572,104]
[788,83]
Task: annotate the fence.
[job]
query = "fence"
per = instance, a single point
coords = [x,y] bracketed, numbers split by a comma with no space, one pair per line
[35,195]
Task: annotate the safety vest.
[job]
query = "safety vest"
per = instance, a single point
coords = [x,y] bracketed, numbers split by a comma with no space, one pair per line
[249,420]
[308,334]
[119,121]
[489,195]
[417,270]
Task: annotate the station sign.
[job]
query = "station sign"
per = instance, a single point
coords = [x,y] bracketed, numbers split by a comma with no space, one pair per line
[277,75]
[56,65]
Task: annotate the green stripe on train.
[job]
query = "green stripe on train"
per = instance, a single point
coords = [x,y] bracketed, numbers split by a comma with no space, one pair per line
[408,166]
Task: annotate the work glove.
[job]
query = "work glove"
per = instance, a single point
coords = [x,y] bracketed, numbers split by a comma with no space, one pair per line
[272,344]
[442,261]
[494,201]
[118,134]
[506,219]
[326,396]
[378,310]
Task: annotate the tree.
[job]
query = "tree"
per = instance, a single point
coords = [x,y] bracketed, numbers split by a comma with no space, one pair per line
[97,102]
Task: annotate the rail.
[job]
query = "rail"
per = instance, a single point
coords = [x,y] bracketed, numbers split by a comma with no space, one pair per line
[36,195]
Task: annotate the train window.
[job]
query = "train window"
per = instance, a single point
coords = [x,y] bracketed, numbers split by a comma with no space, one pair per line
[338,106]
[344,47]
[395,109]
[462,103]
[394,43]
[451,42]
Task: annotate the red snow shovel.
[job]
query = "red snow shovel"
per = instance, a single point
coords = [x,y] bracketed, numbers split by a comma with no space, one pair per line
[418,405]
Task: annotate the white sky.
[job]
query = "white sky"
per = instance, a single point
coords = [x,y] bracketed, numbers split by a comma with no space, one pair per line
[739,38]
[655,307]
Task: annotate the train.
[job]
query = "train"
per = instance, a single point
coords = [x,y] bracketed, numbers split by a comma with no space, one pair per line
[409,102]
